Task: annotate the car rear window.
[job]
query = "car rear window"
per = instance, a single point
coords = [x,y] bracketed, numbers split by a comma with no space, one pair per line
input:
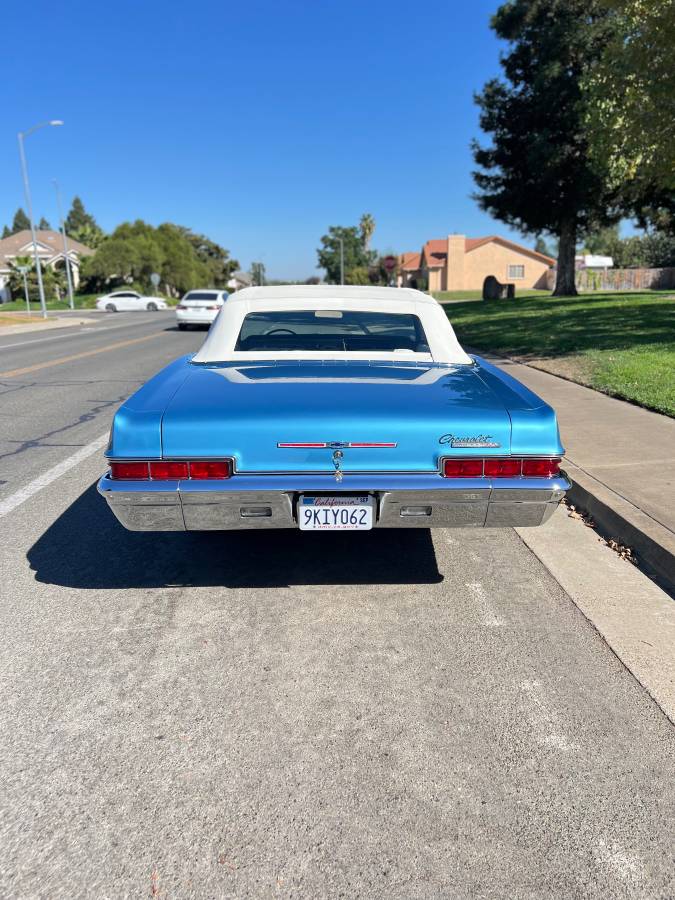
[201,295]
[333,330]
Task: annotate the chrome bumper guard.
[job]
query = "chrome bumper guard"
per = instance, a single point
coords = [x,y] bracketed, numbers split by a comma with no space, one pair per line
[270,501]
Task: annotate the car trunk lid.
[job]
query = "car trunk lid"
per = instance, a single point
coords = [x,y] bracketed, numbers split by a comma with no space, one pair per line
[201,303]
[261,413]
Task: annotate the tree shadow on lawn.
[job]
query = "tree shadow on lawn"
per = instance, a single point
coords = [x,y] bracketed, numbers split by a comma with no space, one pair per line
[87,548]
[564,327]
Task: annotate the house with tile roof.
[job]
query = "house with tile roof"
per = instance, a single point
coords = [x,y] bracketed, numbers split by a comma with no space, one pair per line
[458,263]
[50,251]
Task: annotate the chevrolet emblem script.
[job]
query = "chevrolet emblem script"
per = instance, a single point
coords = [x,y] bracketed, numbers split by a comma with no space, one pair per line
[469,442]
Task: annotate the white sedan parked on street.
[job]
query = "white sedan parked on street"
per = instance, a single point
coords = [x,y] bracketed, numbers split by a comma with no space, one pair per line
[199,307]
[129,300]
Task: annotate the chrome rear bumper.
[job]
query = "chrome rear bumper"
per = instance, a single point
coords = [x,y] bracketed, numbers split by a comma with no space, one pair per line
[269,501]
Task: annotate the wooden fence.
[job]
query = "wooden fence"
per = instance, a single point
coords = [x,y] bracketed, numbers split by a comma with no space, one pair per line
[620,279]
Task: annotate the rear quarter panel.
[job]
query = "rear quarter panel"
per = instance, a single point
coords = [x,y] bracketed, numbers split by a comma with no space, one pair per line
[534,425]
[137,425]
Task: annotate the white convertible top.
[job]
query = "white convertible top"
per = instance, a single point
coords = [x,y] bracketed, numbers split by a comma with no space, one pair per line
[222,338]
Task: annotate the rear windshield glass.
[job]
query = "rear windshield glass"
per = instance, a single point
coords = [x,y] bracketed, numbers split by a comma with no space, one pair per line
[331,330]
[201,295]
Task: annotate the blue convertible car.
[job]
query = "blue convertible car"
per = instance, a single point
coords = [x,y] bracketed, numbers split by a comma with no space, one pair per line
[332,408]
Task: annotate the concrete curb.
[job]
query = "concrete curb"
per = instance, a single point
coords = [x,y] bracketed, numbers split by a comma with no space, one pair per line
[617,518]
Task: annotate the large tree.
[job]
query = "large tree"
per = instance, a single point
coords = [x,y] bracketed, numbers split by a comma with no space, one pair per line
[20,222]
[135,250]
[216,259]
[541,246]
[655,250]
[631,97]
[82,226]
[356,255]
[536,175]
[367,227]
[602,241]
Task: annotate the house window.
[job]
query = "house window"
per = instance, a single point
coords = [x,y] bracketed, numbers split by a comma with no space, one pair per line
[516,272]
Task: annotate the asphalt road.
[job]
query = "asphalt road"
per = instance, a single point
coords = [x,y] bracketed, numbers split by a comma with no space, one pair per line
[48,413]
[382,714]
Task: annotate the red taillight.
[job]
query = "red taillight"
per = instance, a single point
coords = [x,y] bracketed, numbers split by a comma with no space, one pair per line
[541,468]
[512,467]
[210,469]
[129,471]
[213,307]
[463,468]
[162,471]
[167,470]
[502,468]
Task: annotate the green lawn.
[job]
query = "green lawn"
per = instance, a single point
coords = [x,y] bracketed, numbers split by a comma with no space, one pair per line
[82,301]
[619,343]
[442,296]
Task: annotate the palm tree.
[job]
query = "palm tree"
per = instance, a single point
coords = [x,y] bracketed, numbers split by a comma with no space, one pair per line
[16,283]
[367,226]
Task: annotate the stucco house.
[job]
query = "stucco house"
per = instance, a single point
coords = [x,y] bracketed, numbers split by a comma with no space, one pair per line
[50,251]
[459,263]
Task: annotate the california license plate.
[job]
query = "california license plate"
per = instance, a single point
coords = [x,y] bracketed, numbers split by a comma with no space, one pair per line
[335,513]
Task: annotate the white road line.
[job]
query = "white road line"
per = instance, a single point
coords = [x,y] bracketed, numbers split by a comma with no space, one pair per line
[14,500]
[543,721]
[87,329]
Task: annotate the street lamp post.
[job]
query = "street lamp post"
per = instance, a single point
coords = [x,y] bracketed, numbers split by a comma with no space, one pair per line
[69,276]
[26,187]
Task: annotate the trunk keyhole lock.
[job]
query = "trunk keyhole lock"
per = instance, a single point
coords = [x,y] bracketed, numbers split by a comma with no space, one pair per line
[337,456]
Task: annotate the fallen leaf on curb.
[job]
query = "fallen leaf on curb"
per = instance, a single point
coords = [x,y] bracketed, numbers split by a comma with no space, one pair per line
[623,551]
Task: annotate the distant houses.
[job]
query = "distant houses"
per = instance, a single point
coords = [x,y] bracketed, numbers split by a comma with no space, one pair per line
[459,263]
[50,251]
[594,262]
[239,280]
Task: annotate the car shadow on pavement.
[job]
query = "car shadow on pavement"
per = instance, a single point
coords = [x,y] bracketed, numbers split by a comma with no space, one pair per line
[87,548]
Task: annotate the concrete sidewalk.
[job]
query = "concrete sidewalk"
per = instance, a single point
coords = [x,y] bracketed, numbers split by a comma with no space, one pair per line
[622,461]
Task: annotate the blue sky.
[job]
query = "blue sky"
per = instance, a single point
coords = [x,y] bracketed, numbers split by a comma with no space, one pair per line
[258,123]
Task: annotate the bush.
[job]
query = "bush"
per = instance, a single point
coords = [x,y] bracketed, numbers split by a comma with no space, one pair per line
[358,275]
